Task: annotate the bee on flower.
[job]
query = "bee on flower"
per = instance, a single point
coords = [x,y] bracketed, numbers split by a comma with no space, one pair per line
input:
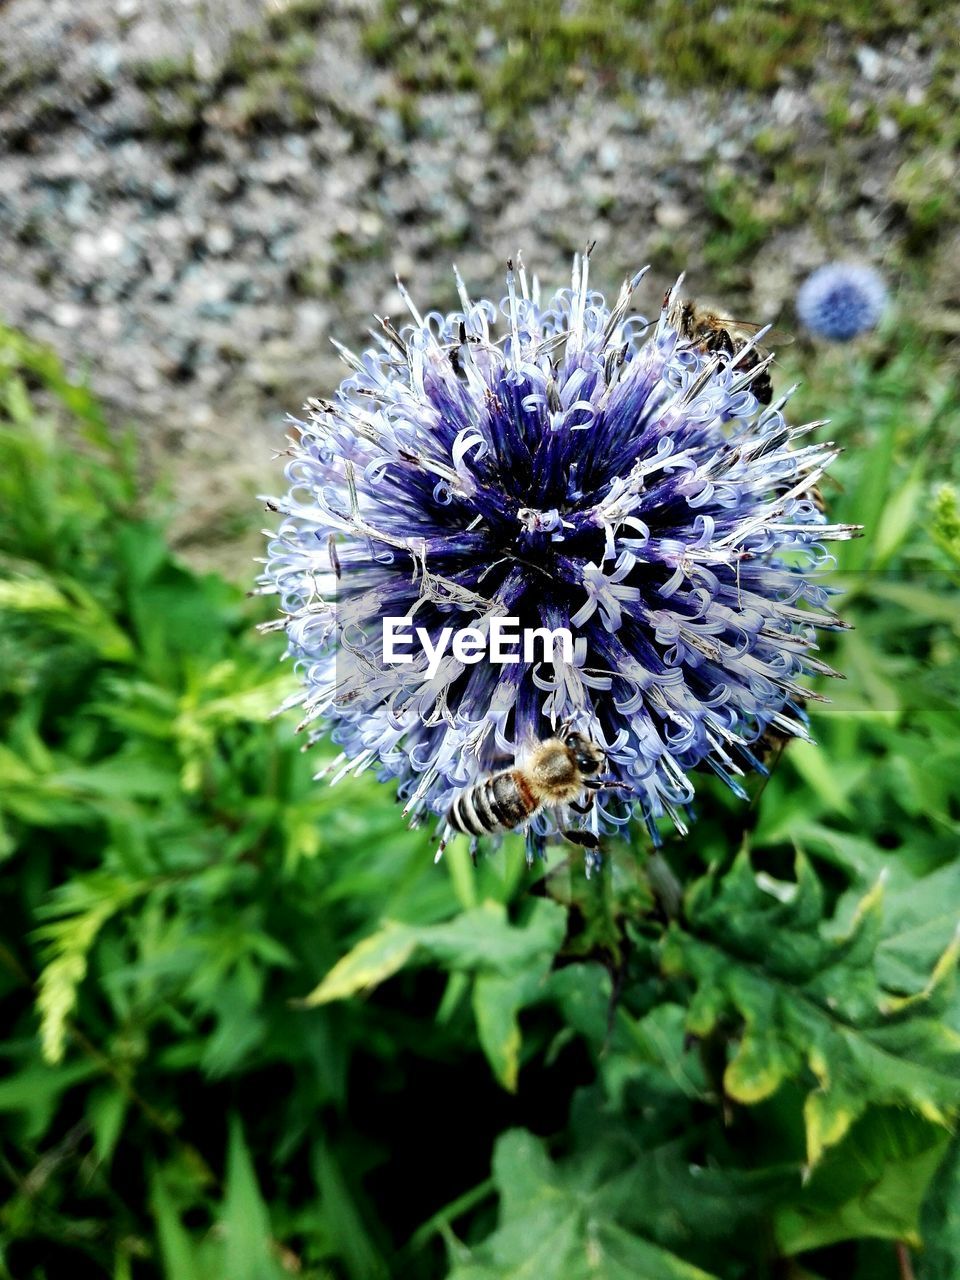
[567,464]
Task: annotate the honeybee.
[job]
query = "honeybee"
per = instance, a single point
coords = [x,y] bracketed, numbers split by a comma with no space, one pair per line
[714,334]
[769,748]
[815,494]
[772,743]
[558,771]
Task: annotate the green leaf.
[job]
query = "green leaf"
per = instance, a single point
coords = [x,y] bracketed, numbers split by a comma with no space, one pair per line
[247,1251]
[871,1185]
[921,929]
[899,516]
[68,607]
[854,854]
[37,1089]
[84,906]
[362,1258]
[808,1000]
[917,606]
[496,1002]
[177,1250]
[590,1218]
[510,965]
[940,1220]
[833,785]
[106,1110]
[370,962]
[485,939]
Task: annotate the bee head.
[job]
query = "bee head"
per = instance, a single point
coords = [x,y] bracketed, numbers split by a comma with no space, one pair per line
[587,754]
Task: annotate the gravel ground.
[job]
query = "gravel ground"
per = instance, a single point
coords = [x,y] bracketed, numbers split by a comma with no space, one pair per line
[194,242]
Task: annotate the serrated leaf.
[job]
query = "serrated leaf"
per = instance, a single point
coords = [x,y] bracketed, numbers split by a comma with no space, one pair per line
[808,1000]
[922,919]
[611,1210]
[509,962]
[485,939]
[940,1220]
[856,855]
[871,1185]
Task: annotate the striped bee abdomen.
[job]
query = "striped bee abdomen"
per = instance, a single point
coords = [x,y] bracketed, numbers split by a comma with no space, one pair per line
[498,803]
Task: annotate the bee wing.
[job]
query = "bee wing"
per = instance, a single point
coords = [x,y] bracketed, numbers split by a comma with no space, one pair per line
[772,338]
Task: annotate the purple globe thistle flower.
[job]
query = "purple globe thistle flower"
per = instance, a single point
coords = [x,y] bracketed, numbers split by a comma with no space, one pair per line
[841,300]
[566,464]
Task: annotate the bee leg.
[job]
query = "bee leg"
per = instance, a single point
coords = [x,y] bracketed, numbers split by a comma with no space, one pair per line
[763,388]
[585,807]
[586,839]
[474,844]
[721,340]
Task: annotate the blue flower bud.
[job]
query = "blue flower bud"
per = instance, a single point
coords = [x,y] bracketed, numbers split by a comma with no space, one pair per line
[841,300]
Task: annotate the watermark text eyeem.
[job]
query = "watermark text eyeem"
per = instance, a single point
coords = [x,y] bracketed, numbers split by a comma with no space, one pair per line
[500,640]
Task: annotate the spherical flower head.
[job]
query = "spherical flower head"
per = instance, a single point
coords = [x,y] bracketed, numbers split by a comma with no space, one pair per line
[568,465]
[841,300]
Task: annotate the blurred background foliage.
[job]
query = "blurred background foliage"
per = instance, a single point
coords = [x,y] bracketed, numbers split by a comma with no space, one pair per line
[251,1032]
